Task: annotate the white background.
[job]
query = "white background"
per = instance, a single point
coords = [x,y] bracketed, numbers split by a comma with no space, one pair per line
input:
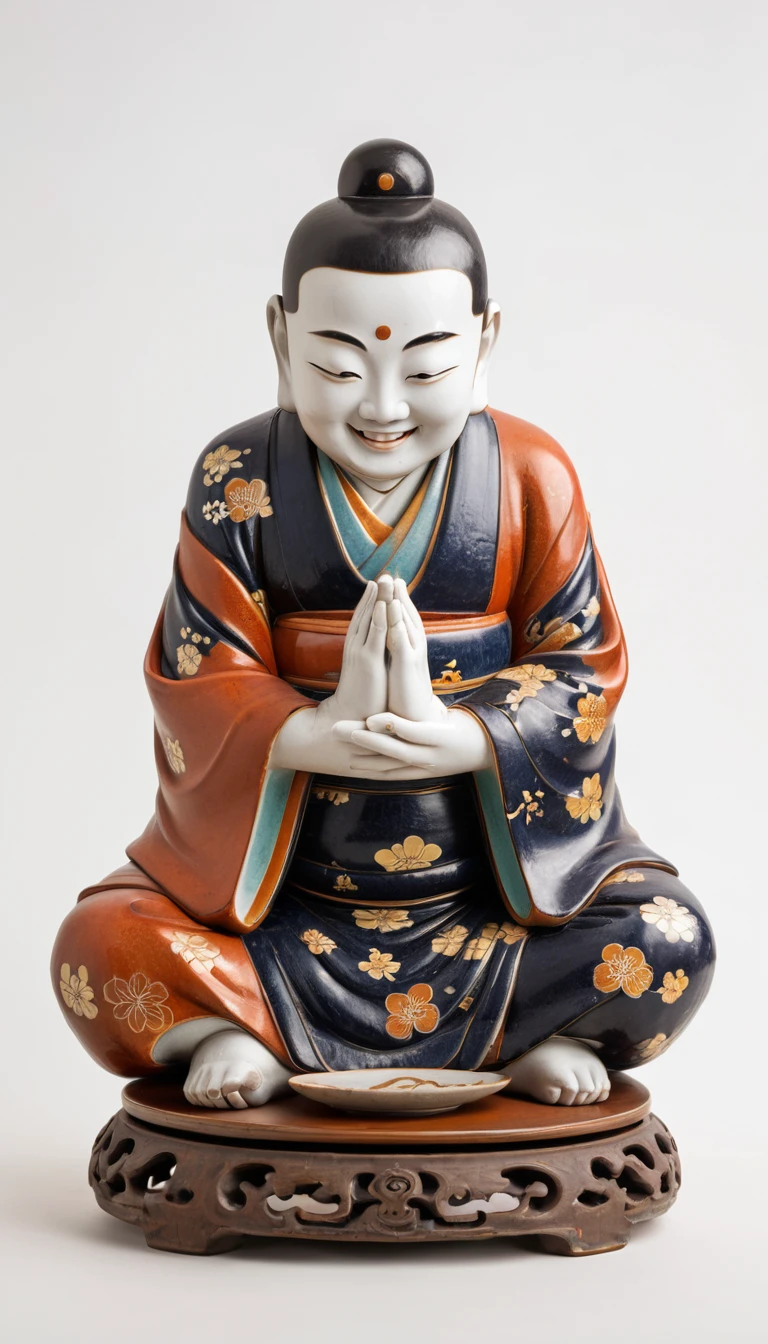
[612,158]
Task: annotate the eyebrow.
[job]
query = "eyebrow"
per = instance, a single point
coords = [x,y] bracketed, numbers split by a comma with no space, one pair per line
[339,336]
[430,336]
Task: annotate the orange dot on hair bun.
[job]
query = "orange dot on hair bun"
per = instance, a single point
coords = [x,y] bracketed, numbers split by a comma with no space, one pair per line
[386,181]
[383,333]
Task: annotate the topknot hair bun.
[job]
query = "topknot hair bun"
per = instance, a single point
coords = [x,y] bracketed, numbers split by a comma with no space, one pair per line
[383,169]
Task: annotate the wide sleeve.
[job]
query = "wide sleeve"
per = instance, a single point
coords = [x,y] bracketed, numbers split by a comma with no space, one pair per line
[554,823]
[225,820]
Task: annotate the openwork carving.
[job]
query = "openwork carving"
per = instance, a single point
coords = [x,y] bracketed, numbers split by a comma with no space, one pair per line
[203,1196]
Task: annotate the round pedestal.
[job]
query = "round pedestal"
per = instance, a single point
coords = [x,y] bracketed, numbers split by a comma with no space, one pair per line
[198,1181]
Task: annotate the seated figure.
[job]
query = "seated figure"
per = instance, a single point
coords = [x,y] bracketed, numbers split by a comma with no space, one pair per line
[384,681]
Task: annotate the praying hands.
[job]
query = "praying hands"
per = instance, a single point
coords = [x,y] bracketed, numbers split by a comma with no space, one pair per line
[383,721]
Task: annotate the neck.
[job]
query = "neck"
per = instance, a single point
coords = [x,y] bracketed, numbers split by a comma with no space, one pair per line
[389,499]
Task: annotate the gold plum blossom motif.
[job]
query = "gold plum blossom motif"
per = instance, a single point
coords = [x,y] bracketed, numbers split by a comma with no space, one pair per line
[76,992]
[215,511]
[532,805]
[492,933]
[625,875]
[219,463]
[344,883]
[410,1011]
[467,1002]
[175,756]
[562,635]
[673,986]
[335,796]
[195,950]
[450,942]
[260,601]
[383,920]
[139,1002]
[245,499]
[592,608]
[652,1046]
[623,968]
[380,964]
[593,716]
[531,676]
[589,805]
[675,921]
[318,942]
[412,853]
[189,655]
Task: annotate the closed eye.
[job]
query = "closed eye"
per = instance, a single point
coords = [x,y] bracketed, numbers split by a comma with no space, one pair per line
[430,377]
[329,373]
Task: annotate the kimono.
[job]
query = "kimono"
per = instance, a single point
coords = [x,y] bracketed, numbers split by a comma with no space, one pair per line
[447,922]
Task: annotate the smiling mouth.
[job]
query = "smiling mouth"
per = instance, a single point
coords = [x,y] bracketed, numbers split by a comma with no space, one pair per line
[383,443]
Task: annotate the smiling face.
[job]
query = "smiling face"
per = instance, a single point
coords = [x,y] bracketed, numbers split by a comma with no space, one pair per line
[383,370]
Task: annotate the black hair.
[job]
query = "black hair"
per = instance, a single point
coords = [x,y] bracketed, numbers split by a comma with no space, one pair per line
[385,219]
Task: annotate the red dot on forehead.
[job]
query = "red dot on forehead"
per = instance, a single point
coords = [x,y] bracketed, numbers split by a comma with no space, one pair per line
[383,333]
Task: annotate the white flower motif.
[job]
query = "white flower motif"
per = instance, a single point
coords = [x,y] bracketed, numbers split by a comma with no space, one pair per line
[673,920]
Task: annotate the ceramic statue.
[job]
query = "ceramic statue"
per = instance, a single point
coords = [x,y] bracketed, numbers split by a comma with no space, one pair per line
[384,680]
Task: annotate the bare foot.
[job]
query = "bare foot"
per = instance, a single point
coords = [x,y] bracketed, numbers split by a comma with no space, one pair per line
[233,1069]
[560,1071]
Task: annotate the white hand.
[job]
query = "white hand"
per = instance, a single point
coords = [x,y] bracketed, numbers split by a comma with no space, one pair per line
[306,740]
[410,687]
[455,744]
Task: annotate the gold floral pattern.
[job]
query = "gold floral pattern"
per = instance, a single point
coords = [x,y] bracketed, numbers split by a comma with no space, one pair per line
[592,608]
[625,875]
[260,600]
[335,796]
[380,964]
[675,921]
[412,853]
[450,942]
[589,805]
[196,950]
[139,1002]
[652,1046]
[593,716]
[467,1002]
[410,1011]
[215,511]
[219,463]
[344,883]
[564,634]
[76,992]
[318,942]
[189,655]
[449,674]
[245,499]
[175,756]
[532,678]
[623,968]
[673,986]
[531,804]
[492,933]
[382,919]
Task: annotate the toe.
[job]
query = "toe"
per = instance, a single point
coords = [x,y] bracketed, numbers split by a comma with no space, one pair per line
[236,1101]
[550,1095]
[604,1095]
[570,1089]
[581,1098]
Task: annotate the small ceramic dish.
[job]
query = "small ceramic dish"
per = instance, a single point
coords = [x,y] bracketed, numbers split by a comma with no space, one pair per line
[398,1091]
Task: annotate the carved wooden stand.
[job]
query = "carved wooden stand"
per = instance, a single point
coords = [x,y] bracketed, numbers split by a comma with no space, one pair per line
[202,1181]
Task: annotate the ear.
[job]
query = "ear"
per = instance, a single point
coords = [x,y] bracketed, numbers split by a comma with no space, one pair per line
[278,334]
[491,326]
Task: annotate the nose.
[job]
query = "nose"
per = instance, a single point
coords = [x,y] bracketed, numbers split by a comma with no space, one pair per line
[383,407]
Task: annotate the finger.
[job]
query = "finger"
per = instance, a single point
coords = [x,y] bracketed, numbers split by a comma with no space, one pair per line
[386,588]
[362,610]
[346,727]
[384,767]
[398,638]
[411,612]
[377,632]
[388,746]
[236,1101]
[426,734]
